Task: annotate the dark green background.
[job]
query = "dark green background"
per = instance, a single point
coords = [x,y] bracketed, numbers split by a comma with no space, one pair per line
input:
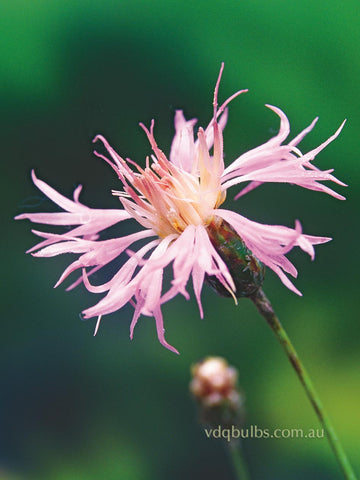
[78,407]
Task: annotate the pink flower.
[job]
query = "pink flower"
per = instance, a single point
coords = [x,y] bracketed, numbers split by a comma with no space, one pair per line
[175,200]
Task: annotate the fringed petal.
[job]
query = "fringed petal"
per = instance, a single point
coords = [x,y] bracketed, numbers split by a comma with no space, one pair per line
[273,162]
[182,152]
[270,243]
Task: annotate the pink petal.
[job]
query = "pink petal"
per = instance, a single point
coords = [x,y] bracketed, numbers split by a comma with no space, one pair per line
[270,243]
[161,331]
[273,162]
[182,153]
[295,141]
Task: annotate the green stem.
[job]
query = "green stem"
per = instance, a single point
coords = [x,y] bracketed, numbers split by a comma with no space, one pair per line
[238,461]
[265,308]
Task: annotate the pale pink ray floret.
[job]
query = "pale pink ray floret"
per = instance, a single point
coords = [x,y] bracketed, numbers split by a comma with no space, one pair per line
[175,200]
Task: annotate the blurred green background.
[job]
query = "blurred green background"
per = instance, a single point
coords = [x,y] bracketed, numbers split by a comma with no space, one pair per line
[78,407]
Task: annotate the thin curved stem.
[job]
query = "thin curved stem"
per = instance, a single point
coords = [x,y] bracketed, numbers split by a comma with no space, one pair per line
[265,308]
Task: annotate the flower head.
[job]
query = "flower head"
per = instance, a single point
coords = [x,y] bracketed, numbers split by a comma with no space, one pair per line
[214,382]
[177,202]
[214,386]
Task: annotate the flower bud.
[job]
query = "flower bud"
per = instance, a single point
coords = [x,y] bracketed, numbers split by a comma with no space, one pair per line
[214,386]
[246,270]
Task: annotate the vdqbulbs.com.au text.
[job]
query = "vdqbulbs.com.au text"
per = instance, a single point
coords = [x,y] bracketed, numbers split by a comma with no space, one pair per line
[253,431]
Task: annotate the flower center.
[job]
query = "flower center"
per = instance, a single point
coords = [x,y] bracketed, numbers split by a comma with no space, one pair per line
[173,199]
